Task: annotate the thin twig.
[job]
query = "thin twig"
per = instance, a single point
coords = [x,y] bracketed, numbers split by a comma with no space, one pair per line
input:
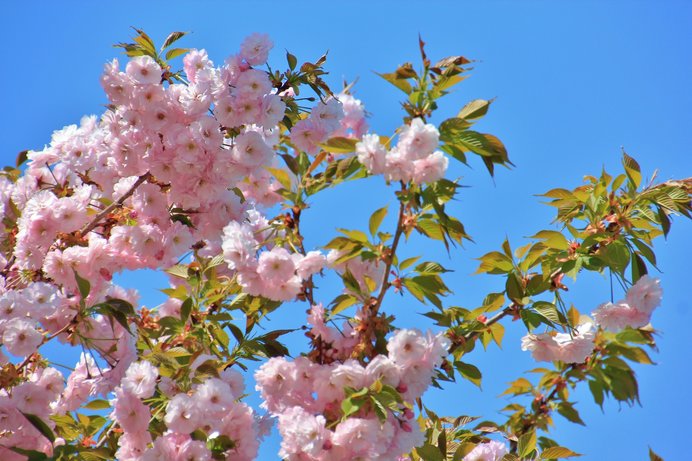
[390,259]
[117,204]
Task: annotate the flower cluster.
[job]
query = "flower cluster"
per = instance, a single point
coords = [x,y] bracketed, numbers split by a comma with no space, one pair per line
[414,157]
[634,312]
[275,274]
[183,172]
[489,451]
[571,347]
[36,396]
[211,407]
[156,175]
[307,399]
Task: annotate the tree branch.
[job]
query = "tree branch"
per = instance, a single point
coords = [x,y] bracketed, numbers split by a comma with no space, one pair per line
[390,259]
[117,204]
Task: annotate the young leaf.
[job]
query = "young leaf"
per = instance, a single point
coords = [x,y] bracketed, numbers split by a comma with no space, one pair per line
[83,285]
[175,52]
[376,220]
[398,81]
[526,444]
[567,410]
[172,37]
[292,60]
[41,426]
[474,110]
[634,172]
[558,453]
[185,310]
[339,145]
[470,372]
[653,456]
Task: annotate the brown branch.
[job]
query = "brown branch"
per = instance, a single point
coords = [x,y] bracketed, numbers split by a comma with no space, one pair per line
[117,204]
[390,258]
[496,318]
[296,213]
[46,339]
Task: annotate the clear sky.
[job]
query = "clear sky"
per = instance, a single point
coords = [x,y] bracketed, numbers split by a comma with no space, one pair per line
[574,81]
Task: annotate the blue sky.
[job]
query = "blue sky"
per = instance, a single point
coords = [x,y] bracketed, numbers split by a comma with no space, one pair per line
[574,82]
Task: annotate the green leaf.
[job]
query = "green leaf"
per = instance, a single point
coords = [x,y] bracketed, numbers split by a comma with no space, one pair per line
[119,305]
[398,81]
[179,270]
[408,262]
[653,456]
[567,410]
[21,158]
[635,354]
[431,267]
[638,267]
[616,255]
[95,454]
[342,302]
[119,317]
[452,61]
[531,319]
[145,42]
[514,288]
[172,37]
[31,455]
[526,444]
[340,145]
[454,131]
[518,387]
[41,426]
[185,310]
[664,220]
[97,404]
[645,250]
[380,409]
[430,452]
[430,228]
[548,310]
[282,176]
[470,372]
[175,52]
[495,263]
[292,60]
[215,261]
[597,390]
[474,110]
[634,172]
[552,239]
[83,285]
[349,407]
[557,453]
[355,235]
[376,220]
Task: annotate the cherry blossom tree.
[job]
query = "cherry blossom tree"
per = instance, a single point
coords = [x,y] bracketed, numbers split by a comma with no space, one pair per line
[204,173]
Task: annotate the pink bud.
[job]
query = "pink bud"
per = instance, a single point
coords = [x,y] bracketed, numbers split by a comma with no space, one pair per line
[105,273]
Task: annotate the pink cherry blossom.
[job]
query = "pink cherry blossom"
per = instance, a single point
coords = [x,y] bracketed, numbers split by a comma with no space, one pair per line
[140,379]
[487,451]
[645,295]
[255,49]
[20,336]
[144,70]
[183,414]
